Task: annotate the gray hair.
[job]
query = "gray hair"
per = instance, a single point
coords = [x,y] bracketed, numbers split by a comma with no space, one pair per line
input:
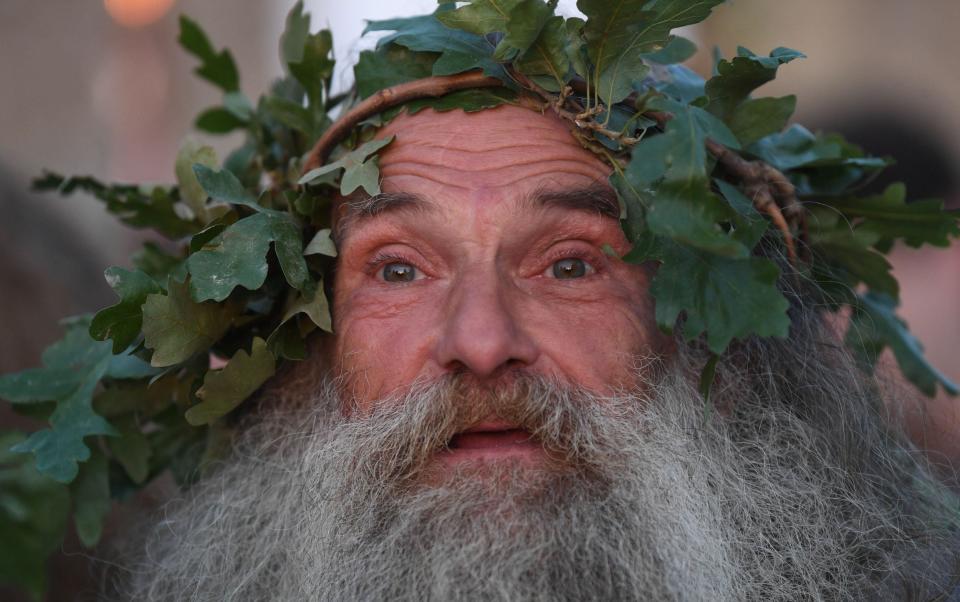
[795,484]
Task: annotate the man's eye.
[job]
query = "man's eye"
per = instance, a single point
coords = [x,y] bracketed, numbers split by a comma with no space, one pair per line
[399,272]
[571,267]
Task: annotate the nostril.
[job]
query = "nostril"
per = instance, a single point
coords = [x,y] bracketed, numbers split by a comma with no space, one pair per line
[457,368]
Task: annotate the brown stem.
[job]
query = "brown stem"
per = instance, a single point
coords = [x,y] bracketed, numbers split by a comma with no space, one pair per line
[429,87]
[772,192]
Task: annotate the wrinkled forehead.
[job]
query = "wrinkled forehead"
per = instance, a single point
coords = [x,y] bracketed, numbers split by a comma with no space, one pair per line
[509,153]
[506,140]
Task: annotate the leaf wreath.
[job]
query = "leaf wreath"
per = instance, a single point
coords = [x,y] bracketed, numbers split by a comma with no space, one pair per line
[706,174]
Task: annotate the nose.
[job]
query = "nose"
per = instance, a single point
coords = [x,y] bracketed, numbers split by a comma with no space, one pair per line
[482,333]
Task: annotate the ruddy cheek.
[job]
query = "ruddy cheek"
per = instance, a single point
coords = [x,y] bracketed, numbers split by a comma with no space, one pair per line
[383,339]
[593,342]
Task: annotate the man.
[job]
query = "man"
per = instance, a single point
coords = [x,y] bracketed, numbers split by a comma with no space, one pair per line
[498,417]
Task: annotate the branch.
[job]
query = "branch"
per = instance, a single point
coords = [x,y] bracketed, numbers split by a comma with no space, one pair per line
[771,190]
[429,87]
[772,193]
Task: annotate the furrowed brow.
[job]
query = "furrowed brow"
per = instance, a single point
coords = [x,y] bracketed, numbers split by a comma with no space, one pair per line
[364,208]
[384,202]
[595,199]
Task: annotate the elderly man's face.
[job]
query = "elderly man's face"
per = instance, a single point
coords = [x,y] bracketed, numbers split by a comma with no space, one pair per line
[514,479]
[484,256]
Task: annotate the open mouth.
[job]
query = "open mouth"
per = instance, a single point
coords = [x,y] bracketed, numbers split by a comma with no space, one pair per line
[491,440]
[490,436]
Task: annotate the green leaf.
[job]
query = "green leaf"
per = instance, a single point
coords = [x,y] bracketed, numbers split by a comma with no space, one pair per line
[222,185]
[321,244]
[680,83]
[736,79]
[286,342]
[620,32]
[223,390]
[217,68]
[156,263]
[459,50]
[890,217]
[177,446]
[824,165]
[688,213]
[875,325]
[73,367]
[726,298]
[679,154]
[706,378]
[832,166]
[140,207]
[756,119]
[750,226]
[359,169]
[191,192]
[314,304]
[315,67]
[128,366]
[175,327]
[294,35]
[677,50]
[217,120]
[60,448]
[33,519]
[477,99]
[90,494]
[121,322]
[131,449]
[389,66]
[217,447]
[846,254]
[291,114]
[737,200]
[480,16]
[65,366]
[575,46]
[796,147]
[548,54]
[238,256]
[633,202]
[524,23]
[125,402]
[365,174]
[238,105]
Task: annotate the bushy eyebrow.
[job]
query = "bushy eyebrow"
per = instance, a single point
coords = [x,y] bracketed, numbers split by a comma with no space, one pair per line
[366,207]
[385,202]
[595,199]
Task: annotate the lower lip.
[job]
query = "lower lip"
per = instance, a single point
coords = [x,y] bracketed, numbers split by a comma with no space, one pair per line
[492,445]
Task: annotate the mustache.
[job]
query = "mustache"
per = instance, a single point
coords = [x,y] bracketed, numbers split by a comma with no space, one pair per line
[400,434]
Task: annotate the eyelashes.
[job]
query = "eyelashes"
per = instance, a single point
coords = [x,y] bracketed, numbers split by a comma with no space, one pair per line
[594,262]
[377,265]
[579,262]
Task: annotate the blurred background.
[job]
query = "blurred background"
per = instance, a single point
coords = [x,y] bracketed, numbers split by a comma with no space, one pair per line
[100,87]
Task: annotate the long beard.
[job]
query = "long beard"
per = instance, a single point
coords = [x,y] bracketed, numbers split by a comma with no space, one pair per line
[642,496]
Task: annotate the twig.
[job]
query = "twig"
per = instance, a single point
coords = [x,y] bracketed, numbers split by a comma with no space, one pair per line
[429,87]
[771,190]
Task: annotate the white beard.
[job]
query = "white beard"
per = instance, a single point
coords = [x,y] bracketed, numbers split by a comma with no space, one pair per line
[645,496]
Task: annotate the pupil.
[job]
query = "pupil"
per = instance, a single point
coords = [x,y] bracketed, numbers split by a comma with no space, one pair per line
[569,268]
[398,272]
